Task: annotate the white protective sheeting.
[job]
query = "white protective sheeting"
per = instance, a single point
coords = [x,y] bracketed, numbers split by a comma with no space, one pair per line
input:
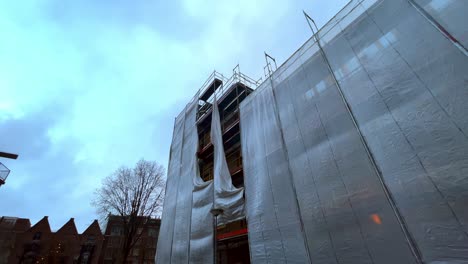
[227,197]
[201,229]
[186,228]
[164,250]
[372,169]
[183,214]
[201,237]
[451,15]
[275,233]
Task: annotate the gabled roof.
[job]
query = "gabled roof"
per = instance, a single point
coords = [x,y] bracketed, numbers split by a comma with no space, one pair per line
[68,228]
[22,224]
[93,229]
[41,226]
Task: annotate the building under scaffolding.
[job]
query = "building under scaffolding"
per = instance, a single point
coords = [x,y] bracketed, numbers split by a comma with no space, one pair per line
[352,151]
[232,237]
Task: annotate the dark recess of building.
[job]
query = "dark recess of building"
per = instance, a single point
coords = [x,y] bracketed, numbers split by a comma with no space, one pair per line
[232,238]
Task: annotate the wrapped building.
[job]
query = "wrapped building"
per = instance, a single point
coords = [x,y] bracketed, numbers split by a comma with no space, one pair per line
[355,150]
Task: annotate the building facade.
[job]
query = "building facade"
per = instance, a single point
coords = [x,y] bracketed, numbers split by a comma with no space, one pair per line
[232,238]
[352,151]
[22,243]
[145,248]
[38,244]
[10,229]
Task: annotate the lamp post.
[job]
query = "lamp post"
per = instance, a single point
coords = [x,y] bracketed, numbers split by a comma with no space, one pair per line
[4,171]
[215,212]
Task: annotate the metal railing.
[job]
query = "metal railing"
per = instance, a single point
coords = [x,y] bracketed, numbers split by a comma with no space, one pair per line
[237,77]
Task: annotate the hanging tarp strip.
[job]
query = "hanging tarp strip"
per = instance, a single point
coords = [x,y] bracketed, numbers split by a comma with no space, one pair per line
[227,197]
[201,236]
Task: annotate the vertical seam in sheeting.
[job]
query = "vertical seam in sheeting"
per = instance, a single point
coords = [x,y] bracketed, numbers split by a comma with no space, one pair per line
[165,189]
[439,27]
[170,157]
[245,194]
[285,152]
[273,197]
[344,185]
[191,181]
[444,32]
[407,140]
[313,178]
[402,223]
[178,183]
[410,241]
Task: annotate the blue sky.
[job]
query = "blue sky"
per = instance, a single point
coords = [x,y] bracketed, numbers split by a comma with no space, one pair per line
[87,86]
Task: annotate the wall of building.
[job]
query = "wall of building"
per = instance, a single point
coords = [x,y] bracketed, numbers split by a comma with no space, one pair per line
[22,243]
[38,244]
[10,228]
[370,168]
[144,250]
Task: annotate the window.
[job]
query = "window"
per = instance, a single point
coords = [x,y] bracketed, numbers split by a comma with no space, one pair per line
[37,236]
[152,232]
[116,231]
[114,242]
[91,239]
[8,221]
[136,251]
[85,258]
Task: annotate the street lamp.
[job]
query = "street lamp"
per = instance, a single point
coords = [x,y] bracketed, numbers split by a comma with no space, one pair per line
[4,171]
[215,212]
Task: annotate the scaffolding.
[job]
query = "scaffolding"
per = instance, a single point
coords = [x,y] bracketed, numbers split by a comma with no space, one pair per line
[351,151]
[346,145]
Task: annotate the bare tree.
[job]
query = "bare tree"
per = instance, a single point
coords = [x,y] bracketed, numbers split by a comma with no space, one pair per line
[134,194]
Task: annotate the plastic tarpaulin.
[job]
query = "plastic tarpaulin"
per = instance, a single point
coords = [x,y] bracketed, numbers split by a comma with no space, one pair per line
[450,14]
[201,229]
[201,239]
[166,233]
[226,196]
[273,220]
[185,235]
[373,168]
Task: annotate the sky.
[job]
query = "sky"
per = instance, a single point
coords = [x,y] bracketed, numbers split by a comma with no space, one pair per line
[88,86]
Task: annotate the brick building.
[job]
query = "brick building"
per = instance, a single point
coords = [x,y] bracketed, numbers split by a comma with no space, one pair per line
[145,248]
[10,228]
[22,243]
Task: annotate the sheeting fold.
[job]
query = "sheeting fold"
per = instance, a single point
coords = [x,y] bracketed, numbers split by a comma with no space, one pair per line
[227,197]
[186,234]
[187,225]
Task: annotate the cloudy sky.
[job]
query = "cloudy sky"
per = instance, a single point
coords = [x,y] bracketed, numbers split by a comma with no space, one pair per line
[87,86]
